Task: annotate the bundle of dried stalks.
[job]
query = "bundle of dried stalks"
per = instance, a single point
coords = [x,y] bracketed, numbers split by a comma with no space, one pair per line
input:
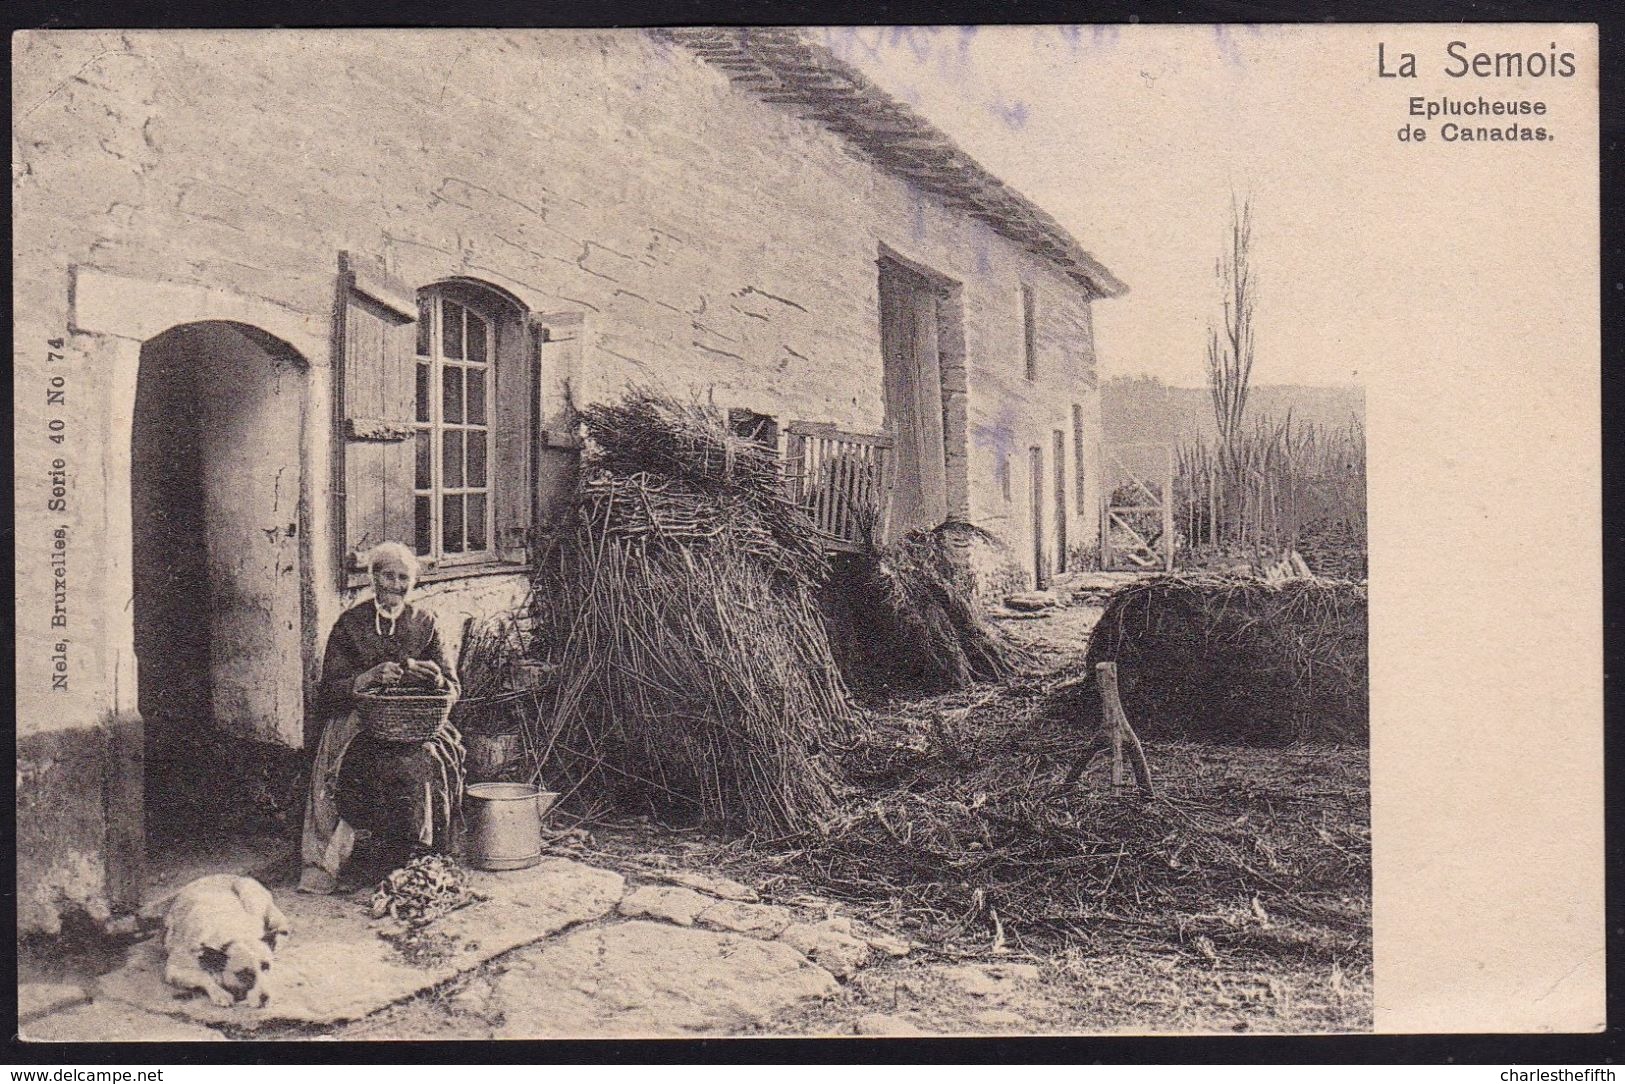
[669,438]
[667,513]
[905,617]
[1235,661]
[694,673]
[673,473]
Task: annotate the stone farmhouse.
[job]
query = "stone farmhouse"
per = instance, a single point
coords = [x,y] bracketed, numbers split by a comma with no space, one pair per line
[280,296]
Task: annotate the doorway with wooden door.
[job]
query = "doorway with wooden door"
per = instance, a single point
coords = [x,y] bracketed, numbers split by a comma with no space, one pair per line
[1035,475]
[1060,501]
[911,348]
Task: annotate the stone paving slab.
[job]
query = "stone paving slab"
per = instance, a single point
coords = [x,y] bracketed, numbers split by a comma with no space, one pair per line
[35,999]
[756,919]
[831,945]
[648,979]
[336,967]
[676,905]
[112,1022]
[721,887]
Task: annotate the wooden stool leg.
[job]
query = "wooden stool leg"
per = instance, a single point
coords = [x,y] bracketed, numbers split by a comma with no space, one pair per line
[1136,755]
[1115,720]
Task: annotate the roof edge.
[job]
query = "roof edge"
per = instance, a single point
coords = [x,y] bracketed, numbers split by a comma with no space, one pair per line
[782,65]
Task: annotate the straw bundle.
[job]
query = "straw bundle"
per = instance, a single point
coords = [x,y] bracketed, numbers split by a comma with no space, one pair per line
[687,480]
[906,617]
[694,673]
[1239,661]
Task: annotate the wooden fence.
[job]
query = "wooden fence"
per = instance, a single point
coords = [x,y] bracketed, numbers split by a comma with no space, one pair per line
[1136,514]
[838,477]
[1278,482]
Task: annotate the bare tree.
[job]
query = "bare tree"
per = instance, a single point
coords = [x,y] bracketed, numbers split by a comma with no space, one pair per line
[1230,348]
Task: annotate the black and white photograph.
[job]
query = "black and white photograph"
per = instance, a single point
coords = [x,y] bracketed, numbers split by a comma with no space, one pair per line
[758,532]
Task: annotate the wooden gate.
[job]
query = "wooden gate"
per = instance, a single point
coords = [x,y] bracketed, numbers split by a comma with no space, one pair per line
[837,477]
[1137,509]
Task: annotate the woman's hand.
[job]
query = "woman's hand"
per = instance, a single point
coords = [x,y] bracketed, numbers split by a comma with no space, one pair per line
[385,673]
[426,671]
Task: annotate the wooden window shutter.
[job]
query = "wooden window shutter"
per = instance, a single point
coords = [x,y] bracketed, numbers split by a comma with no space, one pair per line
[374,406]
[556,459]
[513,407]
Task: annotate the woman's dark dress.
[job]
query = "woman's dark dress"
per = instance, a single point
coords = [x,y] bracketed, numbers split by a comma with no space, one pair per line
[404,793]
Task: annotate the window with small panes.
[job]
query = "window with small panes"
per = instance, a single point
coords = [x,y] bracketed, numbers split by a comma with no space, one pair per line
[456,352]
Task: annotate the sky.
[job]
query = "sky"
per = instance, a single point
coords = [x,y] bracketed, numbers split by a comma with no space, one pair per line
[1138,138]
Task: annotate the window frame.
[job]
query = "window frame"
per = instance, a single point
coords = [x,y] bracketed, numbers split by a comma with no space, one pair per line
[1080,465]
[433,301]
[1029,330]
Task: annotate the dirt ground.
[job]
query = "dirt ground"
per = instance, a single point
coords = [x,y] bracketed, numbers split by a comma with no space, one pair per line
[1120,978]
[1225,969]
[1096,992]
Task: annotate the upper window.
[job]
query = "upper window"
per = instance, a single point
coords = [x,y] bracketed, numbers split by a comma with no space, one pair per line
[1029,329]
[452,489]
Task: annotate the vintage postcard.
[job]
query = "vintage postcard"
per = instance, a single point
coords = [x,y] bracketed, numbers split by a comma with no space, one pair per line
[1007,530]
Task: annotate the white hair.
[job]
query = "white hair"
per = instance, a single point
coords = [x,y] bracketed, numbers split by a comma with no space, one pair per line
[398,552]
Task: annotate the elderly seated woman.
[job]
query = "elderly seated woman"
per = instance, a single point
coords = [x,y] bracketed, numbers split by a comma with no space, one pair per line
[403,795]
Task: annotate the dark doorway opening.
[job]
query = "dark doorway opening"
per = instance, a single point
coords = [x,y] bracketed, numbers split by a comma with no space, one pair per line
[219,597]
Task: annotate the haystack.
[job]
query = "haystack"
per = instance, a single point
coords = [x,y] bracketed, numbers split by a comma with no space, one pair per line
[1234,661]
[905,617]
[695,676]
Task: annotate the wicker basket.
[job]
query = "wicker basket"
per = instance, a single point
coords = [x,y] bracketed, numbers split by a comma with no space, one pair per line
[403,717]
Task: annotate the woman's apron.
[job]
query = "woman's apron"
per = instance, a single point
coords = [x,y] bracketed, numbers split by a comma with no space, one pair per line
[328,839]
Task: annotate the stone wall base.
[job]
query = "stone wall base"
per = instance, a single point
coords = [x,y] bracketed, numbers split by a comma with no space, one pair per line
[80,826]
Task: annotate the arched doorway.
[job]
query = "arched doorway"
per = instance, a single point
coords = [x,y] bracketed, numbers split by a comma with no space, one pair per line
[218,594]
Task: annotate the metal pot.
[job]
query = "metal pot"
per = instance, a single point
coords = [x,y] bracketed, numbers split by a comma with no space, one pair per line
[505,824]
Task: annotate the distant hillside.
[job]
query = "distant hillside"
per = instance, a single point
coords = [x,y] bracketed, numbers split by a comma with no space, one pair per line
[1145,409]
